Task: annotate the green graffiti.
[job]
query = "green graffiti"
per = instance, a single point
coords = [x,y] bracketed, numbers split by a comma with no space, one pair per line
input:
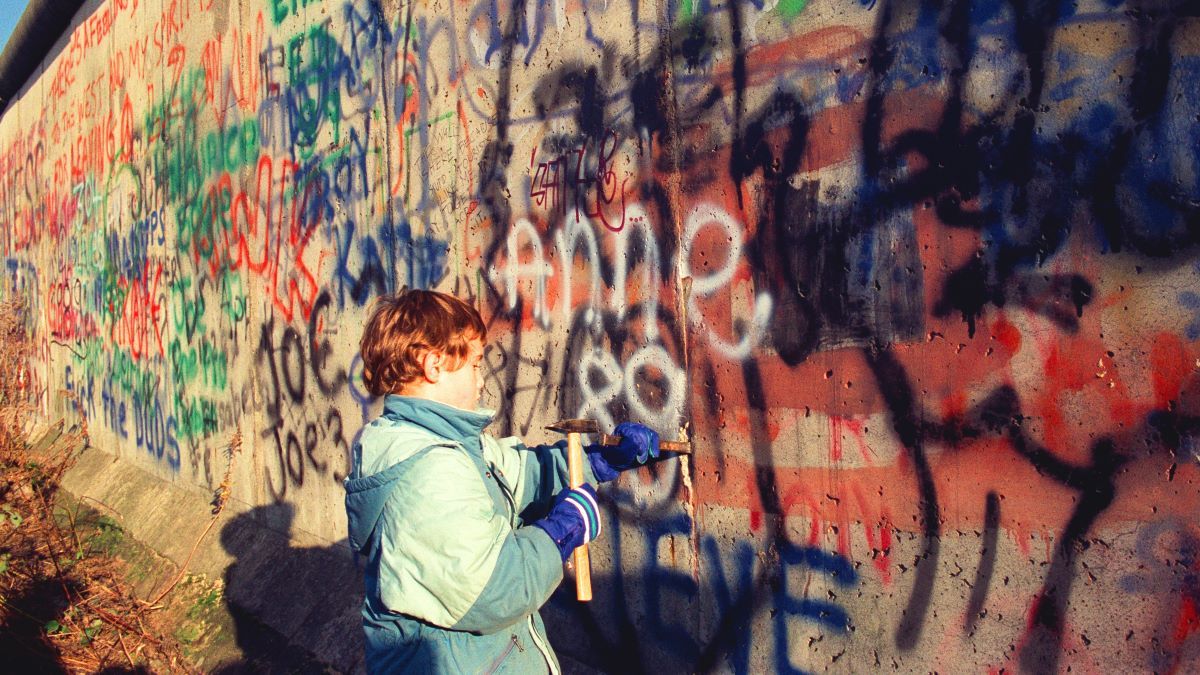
[202,222]
[182,170]
[790,9]
[440,118]
[183,365]
[113,295]
[127,375]
[173,142]
[131,377]
[311,57]
[88,251]
[233,296]
[332,157]
[215,219]
[230,149]
[183,159]
[281,9]
[187,222]
[206,364]
[214,366]
[687,10]
[188,309]
[196,417]
[89,356]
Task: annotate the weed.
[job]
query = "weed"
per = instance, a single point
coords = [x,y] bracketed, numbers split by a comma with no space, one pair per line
[189,633]
[63,597]
[108,537]
[13,517]
[205,604]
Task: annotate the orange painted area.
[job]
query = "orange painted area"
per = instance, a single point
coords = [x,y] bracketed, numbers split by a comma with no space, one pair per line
[1171,363]
[1029,502]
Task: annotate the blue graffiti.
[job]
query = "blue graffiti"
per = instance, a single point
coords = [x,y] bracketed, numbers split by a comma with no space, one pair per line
[154,432]
[729,570]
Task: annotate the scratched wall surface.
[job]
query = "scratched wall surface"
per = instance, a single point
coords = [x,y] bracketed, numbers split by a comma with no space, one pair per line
[920,279]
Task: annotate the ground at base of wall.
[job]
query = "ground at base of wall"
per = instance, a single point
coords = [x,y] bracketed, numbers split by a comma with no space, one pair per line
[212,635]
[65,601]
[78,593]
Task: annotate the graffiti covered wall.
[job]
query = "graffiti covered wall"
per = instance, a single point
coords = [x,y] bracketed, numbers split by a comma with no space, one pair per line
[919,279]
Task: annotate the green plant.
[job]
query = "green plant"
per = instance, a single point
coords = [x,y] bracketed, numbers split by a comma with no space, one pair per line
[90,632]
[13,516]
[108,537]
[205,603]
[189,633]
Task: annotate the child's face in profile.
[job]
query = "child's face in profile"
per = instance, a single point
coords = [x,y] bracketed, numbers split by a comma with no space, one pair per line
[463,386]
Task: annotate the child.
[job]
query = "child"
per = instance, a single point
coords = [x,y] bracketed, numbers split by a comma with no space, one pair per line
[464,535]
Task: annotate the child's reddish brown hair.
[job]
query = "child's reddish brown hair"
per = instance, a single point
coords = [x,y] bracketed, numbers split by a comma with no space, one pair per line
[405,326]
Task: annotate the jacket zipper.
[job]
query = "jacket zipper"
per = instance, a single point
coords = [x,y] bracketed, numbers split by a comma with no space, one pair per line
[512,501]
[504,655]
[537,640]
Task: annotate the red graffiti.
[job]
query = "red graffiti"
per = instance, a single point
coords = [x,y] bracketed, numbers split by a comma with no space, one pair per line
[137,321]
[267,232]
[65,310]
[593,193]
[231,71]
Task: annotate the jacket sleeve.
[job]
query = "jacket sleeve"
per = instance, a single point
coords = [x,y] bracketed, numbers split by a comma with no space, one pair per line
[449,558]
[527,571]
[543,474]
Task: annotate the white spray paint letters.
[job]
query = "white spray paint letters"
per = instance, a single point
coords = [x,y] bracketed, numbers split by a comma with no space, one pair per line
[538,269]
[706,215]
[603,379]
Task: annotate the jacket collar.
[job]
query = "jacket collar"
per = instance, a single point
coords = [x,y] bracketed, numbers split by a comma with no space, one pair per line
[447,421]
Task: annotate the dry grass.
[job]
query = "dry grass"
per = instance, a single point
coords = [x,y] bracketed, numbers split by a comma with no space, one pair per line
[64,600]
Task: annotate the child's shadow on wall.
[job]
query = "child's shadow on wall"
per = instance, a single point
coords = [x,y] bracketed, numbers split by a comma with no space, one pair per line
[290,605]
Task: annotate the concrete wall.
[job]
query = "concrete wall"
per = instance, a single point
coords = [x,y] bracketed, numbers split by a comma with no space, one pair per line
[919,278]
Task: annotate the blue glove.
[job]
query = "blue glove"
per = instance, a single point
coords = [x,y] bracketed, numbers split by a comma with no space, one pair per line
[574,520]
[639,444]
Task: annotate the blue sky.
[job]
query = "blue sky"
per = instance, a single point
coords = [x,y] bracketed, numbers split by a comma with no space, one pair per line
[10,14]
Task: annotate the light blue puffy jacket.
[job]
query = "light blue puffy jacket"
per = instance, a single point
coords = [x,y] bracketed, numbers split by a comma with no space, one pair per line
[454,576]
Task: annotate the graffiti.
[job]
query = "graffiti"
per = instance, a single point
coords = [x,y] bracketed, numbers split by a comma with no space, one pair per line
[737,596]
[705,285]
[156,433]
[561,181]
[1168,551]
[616,379]
[303,433]
[539,269]
[533,22]
[134,311]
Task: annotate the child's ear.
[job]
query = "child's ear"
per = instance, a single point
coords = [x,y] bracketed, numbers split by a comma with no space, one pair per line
[431,365]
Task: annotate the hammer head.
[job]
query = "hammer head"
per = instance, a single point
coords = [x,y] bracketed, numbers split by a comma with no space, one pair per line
[575,426]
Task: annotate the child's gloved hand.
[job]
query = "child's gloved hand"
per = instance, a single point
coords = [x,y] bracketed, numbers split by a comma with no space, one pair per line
[638,445]
[574,519]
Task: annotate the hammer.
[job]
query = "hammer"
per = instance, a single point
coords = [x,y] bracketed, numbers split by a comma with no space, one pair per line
[584,426]
[583,564]
[573,428]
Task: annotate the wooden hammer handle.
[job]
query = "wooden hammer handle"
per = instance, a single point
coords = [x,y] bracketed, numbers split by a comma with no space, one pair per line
[583,564]
[680,447]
